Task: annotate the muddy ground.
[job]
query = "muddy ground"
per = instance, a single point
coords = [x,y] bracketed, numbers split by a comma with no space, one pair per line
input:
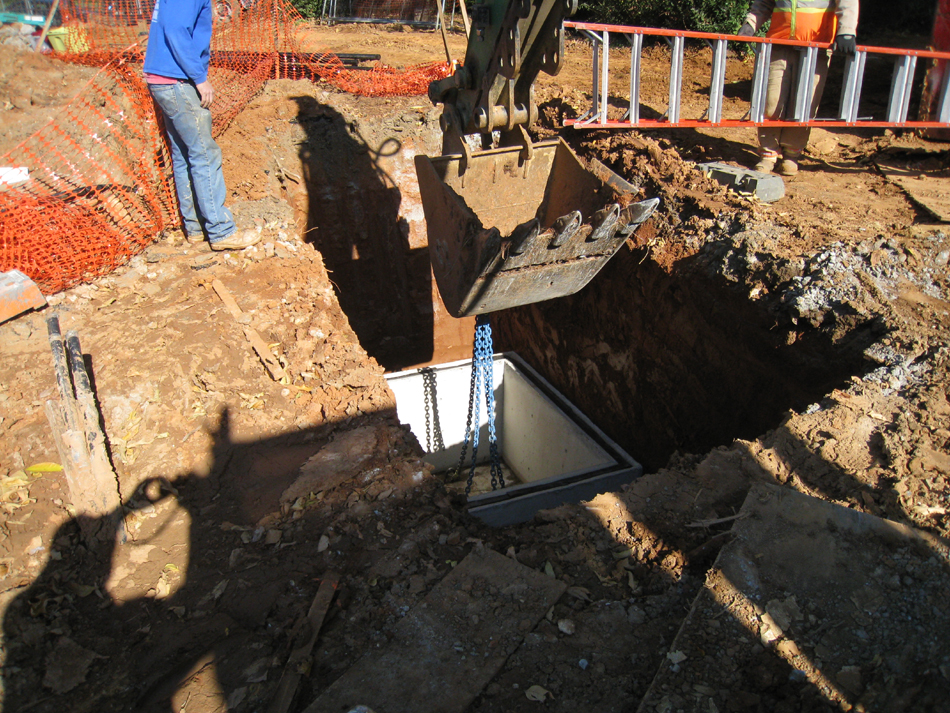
[803,343]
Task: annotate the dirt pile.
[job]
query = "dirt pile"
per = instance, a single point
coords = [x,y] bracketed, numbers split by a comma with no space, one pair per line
[33,88]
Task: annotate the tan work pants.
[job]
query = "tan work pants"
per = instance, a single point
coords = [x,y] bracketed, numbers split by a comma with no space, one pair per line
[783,71]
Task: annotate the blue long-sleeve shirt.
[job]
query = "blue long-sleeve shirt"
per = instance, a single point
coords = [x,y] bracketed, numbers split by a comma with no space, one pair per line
[179,40]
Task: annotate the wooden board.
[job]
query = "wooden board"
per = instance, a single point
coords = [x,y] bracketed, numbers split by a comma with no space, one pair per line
[452,644]
[300,655]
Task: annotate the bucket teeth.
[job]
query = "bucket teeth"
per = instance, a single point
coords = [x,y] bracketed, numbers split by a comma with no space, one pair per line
[635,214]
[524,235]
[604,223]
[565,228]
[501,236]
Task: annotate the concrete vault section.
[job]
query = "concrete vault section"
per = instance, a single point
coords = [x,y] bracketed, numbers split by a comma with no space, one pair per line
[551,452]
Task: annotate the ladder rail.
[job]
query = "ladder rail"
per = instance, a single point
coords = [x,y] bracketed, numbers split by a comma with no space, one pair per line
[760,82]
[717,82]
[943,107]
[676,78]
[902,83]
[636,59]
[594,112]
[854,81]
[805,85]
[605,75]
[799,112]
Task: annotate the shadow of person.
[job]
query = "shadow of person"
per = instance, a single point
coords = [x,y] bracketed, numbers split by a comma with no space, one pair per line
[50,644]
[64,632]
[198,644]
[353,218]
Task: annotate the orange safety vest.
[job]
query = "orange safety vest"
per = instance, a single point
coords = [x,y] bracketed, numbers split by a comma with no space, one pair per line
[804,20]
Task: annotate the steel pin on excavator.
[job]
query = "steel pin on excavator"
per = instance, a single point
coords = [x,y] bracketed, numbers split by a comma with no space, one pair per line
[522,222]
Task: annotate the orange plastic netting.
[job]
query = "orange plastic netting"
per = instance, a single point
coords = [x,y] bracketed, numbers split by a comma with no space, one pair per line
[99,185]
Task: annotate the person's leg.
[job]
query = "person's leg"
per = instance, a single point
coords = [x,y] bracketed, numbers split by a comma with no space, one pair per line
[203,156]
[167,101]
[795,139]
[781,73]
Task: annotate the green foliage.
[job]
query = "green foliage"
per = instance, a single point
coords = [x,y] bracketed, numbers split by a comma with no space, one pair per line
[309,8]
[877,16]
[701,15]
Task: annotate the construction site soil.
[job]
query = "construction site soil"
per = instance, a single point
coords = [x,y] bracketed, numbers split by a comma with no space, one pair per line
[804,344]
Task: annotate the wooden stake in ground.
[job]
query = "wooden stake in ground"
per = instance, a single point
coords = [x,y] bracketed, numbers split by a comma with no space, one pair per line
[254,339]
[106,491]
[93,487]
[49,21]
[445,34]
[299,657]
[468,27]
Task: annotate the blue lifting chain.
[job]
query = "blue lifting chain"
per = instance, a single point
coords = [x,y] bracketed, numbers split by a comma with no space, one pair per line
[482,380]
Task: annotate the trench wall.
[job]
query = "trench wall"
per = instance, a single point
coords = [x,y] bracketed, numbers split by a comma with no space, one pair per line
[680,361]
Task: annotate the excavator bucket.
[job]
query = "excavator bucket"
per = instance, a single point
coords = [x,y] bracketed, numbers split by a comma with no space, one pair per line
[517,225]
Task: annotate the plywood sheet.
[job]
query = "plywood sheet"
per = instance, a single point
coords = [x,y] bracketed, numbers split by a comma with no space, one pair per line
[452,644]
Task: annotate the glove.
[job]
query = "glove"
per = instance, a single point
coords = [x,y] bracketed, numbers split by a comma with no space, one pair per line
[845,44]
[747,31]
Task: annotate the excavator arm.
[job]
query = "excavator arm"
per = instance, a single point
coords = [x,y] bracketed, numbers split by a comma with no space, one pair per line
[515,222]
[511,42]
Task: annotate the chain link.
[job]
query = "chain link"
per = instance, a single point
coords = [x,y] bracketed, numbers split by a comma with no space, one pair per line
[432,406]
[468,430]
[482,380]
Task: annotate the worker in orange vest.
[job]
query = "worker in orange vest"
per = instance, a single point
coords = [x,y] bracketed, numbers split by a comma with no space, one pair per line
[832,21]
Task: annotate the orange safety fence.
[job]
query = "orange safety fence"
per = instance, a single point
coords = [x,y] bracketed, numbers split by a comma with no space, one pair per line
[99,186]
[98,189]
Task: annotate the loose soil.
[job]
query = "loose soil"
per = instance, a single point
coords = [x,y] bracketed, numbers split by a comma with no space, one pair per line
[803,343]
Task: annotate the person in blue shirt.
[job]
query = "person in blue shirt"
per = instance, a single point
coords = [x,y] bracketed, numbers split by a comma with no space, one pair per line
[176,70]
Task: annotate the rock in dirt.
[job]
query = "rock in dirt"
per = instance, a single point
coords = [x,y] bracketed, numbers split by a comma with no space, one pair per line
[334,464]
[67,665]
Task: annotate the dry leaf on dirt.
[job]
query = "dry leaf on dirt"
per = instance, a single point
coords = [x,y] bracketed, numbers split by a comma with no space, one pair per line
[81,590]
[13,483]
[579,593]
[537,693]
[45,468]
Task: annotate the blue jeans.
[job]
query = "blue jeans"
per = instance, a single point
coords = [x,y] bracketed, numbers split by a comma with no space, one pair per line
[196,161]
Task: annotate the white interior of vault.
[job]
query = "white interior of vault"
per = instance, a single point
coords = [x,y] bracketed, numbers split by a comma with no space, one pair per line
[539,439]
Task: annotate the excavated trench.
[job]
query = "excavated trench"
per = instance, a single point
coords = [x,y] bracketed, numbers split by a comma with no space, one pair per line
[682,361]
[669,361]
[661,361]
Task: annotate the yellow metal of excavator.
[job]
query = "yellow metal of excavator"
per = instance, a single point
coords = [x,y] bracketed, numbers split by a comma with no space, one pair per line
[522,222]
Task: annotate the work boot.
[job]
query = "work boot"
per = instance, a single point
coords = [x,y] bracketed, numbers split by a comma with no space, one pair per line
[765,165]
[237,241]
[195,238]
[787,167]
